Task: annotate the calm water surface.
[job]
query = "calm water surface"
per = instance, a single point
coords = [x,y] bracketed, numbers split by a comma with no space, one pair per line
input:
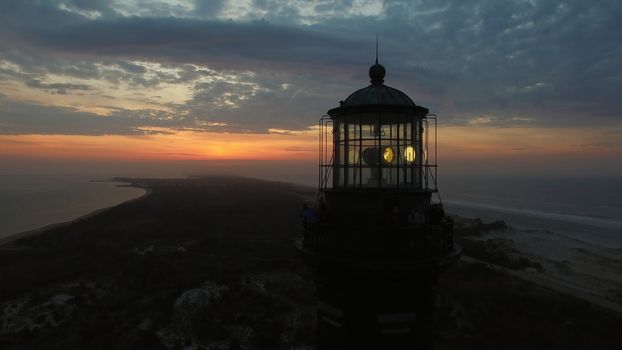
[32,201]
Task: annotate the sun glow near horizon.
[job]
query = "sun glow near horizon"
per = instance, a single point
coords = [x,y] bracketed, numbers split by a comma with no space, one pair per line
[180,145]
[471,145]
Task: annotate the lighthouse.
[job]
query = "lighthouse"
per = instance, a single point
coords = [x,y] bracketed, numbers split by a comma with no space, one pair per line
[378,238]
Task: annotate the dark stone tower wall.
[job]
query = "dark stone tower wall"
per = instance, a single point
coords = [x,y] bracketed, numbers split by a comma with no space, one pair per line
[375,310]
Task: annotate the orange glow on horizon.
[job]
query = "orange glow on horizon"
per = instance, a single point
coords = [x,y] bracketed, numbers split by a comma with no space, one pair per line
[455,143]
[469,142]
[183,145]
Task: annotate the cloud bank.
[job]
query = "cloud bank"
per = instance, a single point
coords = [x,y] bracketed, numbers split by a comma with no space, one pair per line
[135,67]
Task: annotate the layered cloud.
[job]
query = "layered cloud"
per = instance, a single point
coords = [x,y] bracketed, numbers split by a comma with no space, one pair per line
[134,67]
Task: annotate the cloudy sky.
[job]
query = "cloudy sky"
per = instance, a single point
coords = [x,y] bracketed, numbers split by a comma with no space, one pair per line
[531,84]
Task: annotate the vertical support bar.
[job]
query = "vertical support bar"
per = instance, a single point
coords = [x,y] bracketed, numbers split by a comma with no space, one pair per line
[325,152]
[325,162]
[435,154]
[319,154]
[414,140]
[360,164]
[435,163]
[346,146]
[379,140]
[399,151]
[425,152]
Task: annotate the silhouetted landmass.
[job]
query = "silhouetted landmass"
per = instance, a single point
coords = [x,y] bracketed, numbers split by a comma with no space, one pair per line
[210,262]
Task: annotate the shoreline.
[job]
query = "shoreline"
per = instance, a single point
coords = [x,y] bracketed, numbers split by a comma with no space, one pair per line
[550,259]
[32,232]
[549,281]
[600,222]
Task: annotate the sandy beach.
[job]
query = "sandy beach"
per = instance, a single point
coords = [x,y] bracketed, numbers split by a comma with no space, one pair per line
[578,256]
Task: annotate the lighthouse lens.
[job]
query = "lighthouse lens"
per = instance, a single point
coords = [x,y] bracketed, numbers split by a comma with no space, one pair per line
[370,155]
[410,154]
[388,155]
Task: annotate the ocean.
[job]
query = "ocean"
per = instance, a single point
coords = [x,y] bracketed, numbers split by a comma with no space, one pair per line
[588,210]
[572,227]
[32,201]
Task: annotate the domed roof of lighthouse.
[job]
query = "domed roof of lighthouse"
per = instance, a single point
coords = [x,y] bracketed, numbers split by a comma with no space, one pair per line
[377,93]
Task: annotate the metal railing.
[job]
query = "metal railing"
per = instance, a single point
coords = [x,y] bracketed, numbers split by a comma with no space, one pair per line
[429,167]
[326,159]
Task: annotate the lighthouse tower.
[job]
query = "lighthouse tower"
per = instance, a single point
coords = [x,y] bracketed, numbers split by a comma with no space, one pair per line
[379,237]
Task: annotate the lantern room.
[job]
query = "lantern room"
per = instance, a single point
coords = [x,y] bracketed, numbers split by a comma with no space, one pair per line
[375,236]
[377,139]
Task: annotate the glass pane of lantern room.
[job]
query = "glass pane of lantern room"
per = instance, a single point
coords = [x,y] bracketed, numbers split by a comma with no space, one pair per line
[353,130]
[339,173]
[354,163]
[389,151]
[369,155]
[420,159]
[352,159]
[406,163]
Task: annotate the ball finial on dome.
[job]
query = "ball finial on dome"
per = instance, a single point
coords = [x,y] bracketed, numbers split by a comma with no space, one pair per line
[376,74]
